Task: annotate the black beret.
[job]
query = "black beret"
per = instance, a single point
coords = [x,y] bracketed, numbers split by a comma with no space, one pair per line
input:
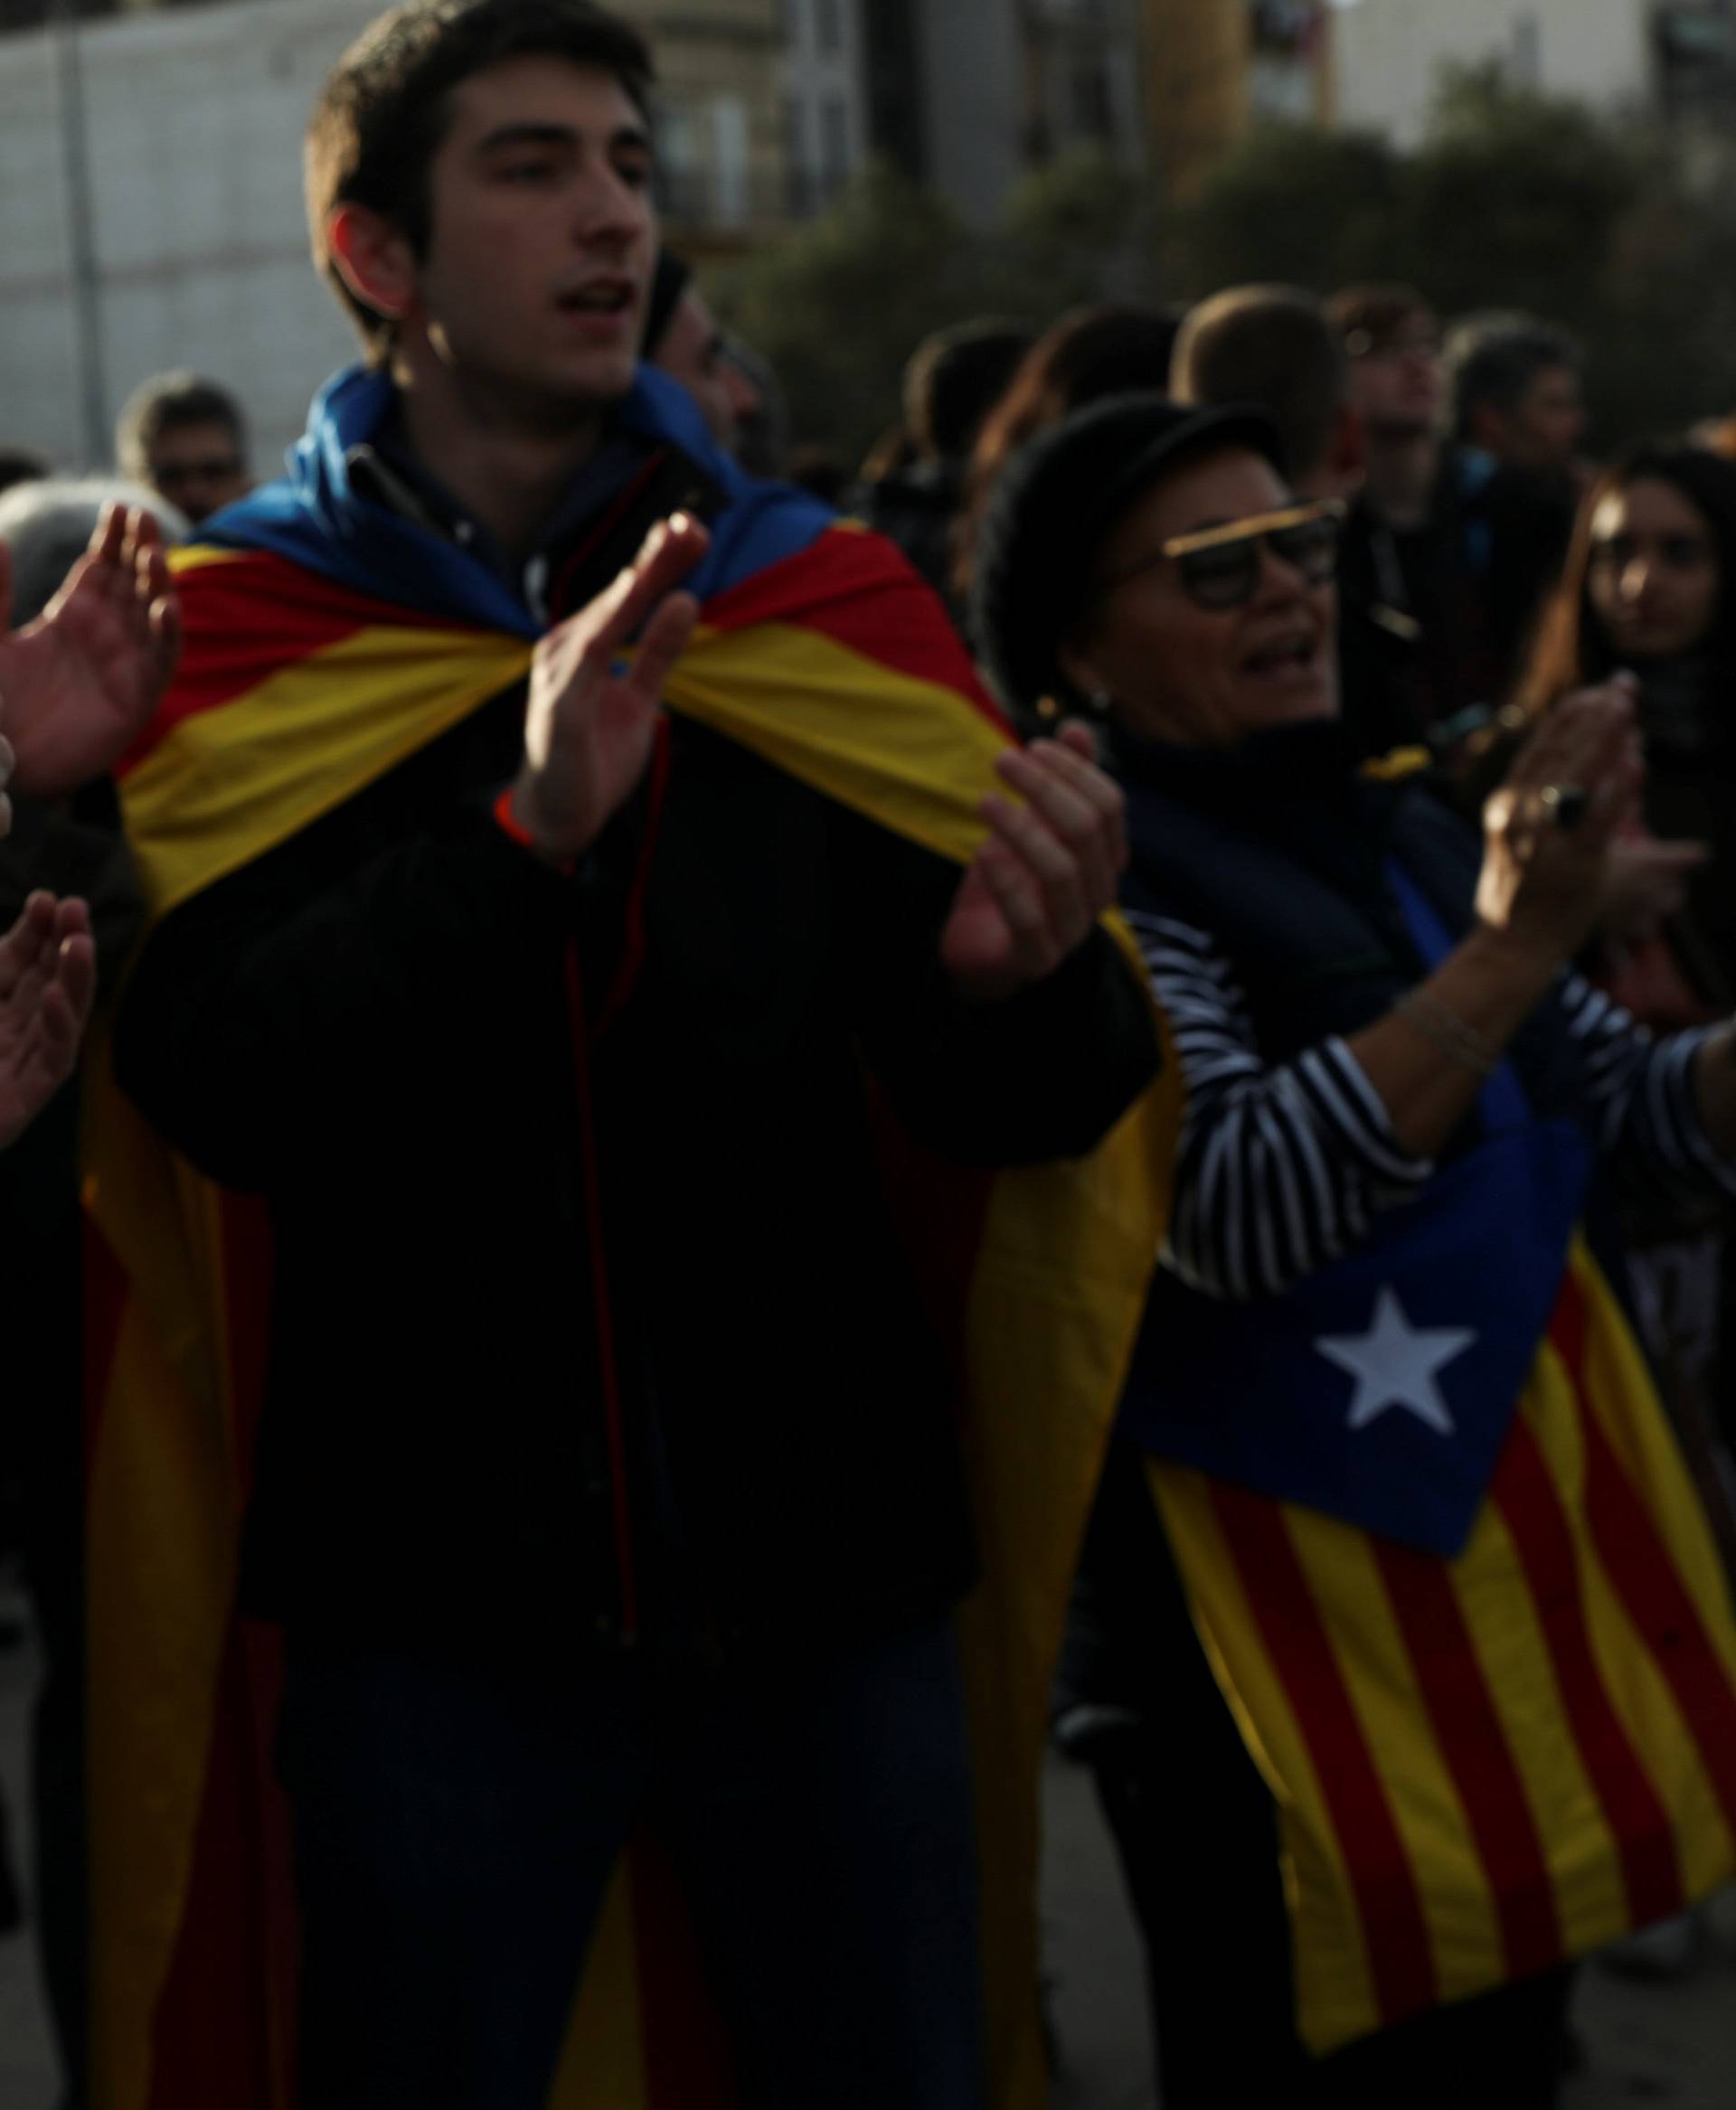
[1053,505]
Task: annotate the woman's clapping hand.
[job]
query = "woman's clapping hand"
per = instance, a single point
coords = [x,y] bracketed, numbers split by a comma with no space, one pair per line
[1549,831]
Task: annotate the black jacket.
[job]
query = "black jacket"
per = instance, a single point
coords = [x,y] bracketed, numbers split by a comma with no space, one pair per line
[524,1264]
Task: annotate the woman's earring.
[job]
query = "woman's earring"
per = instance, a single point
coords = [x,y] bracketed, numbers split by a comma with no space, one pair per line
[1101,702]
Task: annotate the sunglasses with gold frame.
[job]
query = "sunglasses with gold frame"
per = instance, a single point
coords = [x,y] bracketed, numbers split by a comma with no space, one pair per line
[1219,567]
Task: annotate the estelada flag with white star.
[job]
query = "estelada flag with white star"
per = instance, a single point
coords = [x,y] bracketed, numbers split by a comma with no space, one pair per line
[1458,1589]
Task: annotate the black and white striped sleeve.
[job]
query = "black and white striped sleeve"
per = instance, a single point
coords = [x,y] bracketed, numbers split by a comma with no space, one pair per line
[1280,1168]
[1643,1098]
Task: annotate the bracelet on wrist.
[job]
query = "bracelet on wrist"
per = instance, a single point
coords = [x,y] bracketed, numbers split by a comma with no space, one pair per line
[1446,1031]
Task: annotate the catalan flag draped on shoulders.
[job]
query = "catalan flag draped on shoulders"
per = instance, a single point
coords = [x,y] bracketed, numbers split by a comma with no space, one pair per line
[732,995]
[1448,1566]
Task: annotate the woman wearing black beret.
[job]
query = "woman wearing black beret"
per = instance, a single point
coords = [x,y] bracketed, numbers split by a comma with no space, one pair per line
[1472,1679]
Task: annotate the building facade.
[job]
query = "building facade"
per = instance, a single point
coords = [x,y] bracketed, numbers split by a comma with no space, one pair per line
[825,91]
[720,116]
[151,207]
[969,95]
[1675,57]
[1213,68]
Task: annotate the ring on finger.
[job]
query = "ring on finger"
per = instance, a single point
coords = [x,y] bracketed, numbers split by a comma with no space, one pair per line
[1566,803]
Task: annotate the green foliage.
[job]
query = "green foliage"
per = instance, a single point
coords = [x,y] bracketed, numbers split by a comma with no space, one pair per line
[1079,229]
[1512,200]
[1296,206]
[839,306]
[1516,199]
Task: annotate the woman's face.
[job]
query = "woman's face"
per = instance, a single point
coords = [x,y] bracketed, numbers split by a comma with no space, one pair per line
[1654,579]
[1178,669]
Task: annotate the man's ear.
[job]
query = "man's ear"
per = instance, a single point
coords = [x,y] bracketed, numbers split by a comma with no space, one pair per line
[1349,450]
[374,261]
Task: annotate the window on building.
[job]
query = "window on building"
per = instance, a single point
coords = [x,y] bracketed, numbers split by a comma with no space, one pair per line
[681,182]
[1093,98]
[800,190]
[1526,69]
[834,143]
[731,184]
[1695,43]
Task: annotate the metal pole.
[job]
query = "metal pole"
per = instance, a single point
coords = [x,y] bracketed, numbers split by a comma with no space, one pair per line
[81,236]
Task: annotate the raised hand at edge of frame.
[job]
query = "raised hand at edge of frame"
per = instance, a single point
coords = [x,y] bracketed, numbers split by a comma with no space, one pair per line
[48,979]
[80,684]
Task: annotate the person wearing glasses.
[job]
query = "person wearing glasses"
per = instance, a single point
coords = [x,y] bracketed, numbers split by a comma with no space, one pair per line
[1277,348]
[1399,1098]
[185,437]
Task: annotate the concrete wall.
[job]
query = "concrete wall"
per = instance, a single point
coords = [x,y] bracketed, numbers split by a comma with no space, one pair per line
[1197,64]
[195,122]
[972,65]
[194,128]
[1389,54]
[825,97]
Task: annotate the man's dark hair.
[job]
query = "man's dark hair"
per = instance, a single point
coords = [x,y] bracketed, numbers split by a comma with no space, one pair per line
[384,109]
[1373,316]
[164,403]
[22,465]
[955,378]
[1271,345]
[1493,360]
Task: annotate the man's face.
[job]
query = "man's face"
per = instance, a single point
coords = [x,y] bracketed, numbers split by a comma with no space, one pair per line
[1544,429]
[541,238]
[198,468]
[1396,385]
[693,352]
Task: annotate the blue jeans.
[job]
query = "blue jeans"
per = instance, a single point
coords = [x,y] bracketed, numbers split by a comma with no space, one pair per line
[456,1831]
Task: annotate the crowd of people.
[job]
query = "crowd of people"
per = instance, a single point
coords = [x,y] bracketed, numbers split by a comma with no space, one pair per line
[730,1168]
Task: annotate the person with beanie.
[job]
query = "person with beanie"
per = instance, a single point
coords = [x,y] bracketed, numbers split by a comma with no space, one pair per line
[1415,1633]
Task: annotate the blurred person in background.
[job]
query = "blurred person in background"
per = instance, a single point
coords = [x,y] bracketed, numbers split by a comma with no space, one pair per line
[1275,347]
[952,381]
[1402,1439]
[1518,398]
[91,642]
[1650,588]
[1403,559]
[1094,351]
[1518,412]
[682,337]
[186,439]
[762,443]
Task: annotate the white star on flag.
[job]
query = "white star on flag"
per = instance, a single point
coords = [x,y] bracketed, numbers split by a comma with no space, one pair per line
[1396,1364]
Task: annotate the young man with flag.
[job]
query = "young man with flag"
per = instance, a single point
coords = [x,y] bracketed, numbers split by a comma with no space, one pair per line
[625,1093]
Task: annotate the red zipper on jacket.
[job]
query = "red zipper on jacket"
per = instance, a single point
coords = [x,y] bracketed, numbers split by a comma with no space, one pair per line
[633,952]
[608,1368]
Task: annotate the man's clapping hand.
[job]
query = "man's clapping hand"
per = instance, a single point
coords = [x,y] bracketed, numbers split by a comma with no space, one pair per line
[48,976]
[590,724]
[1048,870]
[80,684]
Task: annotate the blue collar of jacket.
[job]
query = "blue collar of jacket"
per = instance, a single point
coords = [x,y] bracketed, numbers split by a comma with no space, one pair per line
[317,516]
